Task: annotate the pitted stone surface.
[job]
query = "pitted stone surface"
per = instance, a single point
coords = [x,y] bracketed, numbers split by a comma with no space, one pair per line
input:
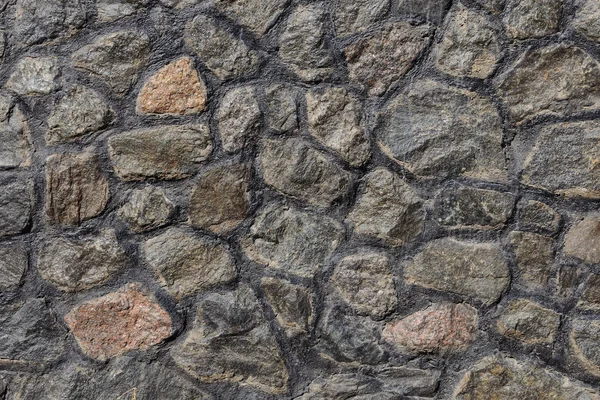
[35,76]
[357,16]
[526,19]
[147,208]
[239,118]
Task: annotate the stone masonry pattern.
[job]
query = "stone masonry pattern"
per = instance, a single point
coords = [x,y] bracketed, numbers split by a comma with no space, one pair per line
[296,199]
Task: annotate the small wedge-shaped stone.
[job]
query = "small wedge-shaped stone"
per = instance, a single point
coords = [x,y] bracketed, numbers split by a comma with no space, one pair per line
[582,241]
[15,136]
[256,15]
[35,76]
[16,203]
[147,209]
[292,305]
[357,16]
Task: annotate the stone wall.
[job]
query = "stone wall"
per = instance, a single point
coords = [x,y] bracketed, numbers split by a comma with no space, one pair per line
[284,199]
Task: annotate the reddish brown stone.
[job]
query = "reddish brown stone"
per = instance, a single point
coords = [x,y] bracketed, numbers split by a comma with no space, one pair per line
[119,322]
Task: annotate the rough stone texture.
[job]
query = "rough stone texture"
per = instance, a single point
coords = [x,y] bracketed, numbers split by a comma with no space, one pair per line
[282,108]
[433,11]
[357,16]
[534,254]
[590,298]
[526,19]
[493,6]
[76,188]
[529,322]
[475,270]
[15,135]
[292,305]
[118,322]
[112,10]
[239,118]
[587,19]
[13,264]
[255,15]
[379,61]
[584,344]
[16,203]
[147,209]
[582,240]
[167,152]
[535,215]
[35,76]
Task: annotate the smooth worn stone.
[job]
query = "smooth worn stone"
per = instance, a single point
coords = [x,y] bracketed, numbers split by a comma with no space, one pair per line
[291,304]
[352,17]
[590,298]
[535,256]
[535,215]
[16,203]
[470,46]
[436,130]
[81,111]
[220,198]
[474,270]
[582,240]
[15,135]
[440,328]
[303,45]
[365,281]
[432,11]
[76,188]
[116,58]
[231,341]
[76,264]
[186,263]
[258,16]
[584,344]
[387,208]
[335,120]
[225,55]
[378,62]
[297,169]
[13,264]
[556,80]
[587,19]
[175,89]
[282,108]
[163,152]
[285,238]
[121,321]
[147,208]
[35,76]
[526,19]
[529,322]
[508,378]
[113,10]
[239,118]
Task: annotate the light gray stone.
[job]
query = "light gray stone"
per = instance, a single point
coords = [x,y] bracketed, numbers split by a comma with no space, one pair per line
[35,76]
[282,108]
[13,264]
[352,17]
[15,136]
[584,345]
[239,118]
[112,10]
[147,208]
[16,203]
[587,19]
[525,19]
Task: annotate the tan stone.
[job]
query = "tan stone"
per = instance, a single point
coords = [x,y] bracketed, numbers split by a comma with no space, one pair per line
[529,322]
[583,240]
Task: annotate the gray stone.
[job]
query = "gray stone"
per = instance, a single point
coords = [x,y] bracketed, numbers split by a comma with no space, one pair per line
[297,169]
[303,45]
[529,322]
[75,264]
[433,11]
[378,62]
[590,298]
[2,44]
[441,131]
[79,112]
[16,203]
[179,4]
[13,264]
[387,209]
[409,381]
[112,10]
[239,118]
[535,256]
[556,80]
[15,136]
[339,387]
[298,242]
[493,6]
[357,16]
[335,120]
[582,241]
[256,15]
[584,344]
[34,76]
[525,19]
[116,58]
[186,264]
[225,55]
[535,215]
[568,280]
[282,108]
[147,208]
[163,152]
[587,19]
[291,304]
[474,270]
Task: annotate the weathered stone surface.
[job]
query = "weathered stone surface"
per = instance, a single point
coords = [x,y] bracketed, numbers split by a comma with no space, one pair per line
[77,264]
[535,215]
[357,16]
[335,120]
[475,270]
[582,241]
[438,130]
[118,322]
[303,45]
[440,328]
[493,6]
[15,136]
[16,203]
[112,10]
[295,168]
[378,62]
[365,281]
[299,242]
[76,188]
[387,209]
[220,199]
[461,206]
[282,108]
[255,15]
[433,11]
[470,47]
[409,381]
[222,53]
[116,58]
[146,209]
[525,19]
[179,3]
[163,152]
[239,118]
[556,80]
[175,89]
[587,19]
[568,279]
[292,305]
[34,76]
[535,256]
[186,264]
[13,263]
[584,343]
[231,341]
[2,44]
[590,298]
[529,322]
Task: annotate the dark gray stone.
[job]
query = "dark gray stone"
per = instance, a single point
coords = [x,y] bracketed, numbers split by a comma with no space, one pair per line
[15,136]
[256,15]
[352,17]
[433,11]
[587,19]
[292,305]
[282,108]
[535,215]
[146,209]
[239,118]
[13,264]
[16,204]
[535,256]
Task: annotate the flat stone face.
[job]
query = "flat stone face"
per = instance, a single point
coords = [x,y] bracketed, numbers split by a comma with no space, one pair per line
[387,209]
[535,256]
[239,118]
[76,188]
[292,305]
[582,241]
[535,215]
[164,152]
[231,340]
[73,265]
[525,19]
[220,199]
[186,264]
[255,15]
[584,344]
[224,55]
[118,322]
[357,16]
[433,11]
[175,89]
[147,209]
[16,203]
[379,61]
[335,120]
[116,58]
[475,270]
[13,264]
[35,76]
[556,80]
[298,242]
[282,108]
[14,135]
[587,19]
[441,131]
[297,169]
[113,10]
[529,322]
[590,298]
